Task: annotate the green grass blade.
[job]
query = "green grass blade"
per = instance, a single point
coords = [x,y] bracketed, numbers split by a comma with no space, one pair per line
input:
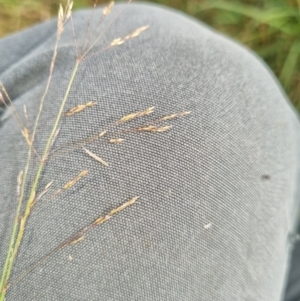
[290,64]
[284,19]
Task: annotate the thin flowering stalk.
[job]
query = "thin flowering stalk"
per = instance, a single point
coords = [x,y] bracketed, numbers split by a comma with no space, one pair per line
[106,11]
[120,41]
[83,56]
[78,237]
[19,226]
[15,113]
[62,19]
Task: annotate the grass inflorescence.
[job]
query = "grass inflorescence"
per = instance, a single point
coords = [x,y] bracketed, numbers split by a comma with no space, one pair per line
[113,134]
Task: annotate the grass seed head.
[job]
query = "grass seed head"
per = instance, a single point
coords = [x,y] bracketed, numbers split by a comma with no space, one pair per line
[123,206]
[175,115]
[25,133]
[102,133]
[116,141]
[154,129]
[80,108]
[77,240]
[75,180]
[108,8]
[136,33]
[101,220]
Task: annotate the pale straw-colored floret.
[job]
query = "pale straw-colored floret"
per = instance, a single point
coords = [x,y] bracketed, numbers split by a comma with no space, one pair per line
[137,32]
[172,116]
[102,133]
[77,240]
[135,115]
[108,8]
[154,129]
[80,108]
[76,179]
[116,140]
[94,156]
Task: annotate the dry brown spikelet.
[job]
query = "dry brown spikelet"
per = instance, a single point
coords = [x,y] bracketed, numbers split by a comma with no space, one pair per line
[154,129]
[135,115]
[175,115]
[77,240]
[80,108]
[116,140]
[123,206]
[102,133]
[137,32]
[75,180]
[101,220]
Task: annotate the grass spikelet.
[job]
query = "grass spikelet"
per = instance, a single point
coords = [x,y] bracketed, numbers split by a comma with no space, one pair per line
[146,112]
[69,7]
[95,157]
[154,129]
[128,117]
[25,133]
[116,140]
[106,217]
[135,115]
[162,129]
[60,18]
[45,190]
[108,8]
[117,41]
[175,115]
[137,32]
[101,220]
[123,206]
[80,108]
[75,180]
[77,240]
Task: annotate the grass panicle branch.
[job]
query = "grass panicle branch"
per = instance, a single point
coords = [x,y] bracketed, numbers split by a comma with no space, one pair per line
[76,238]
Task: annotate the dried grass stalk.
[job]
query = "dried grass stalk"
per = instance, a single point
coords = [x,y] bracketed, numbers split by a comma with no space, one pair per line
[116,140]
[137,32]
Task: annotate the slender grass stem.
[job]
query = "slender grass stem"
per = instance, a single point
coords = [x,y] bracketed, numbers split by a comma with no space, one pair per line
[5,277]
[17,236]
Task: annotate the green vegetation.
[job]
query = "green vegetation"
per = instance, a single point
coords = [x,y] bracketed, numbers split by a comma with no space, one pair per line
[269,27]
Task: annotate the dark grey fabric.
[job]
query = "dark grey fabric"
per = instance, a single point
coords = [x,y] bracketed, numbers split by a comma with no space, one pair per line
[232,164]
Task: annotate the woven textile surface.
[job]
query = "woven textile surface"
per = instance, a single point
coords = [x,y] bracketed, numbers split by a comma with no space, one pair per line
[219,191]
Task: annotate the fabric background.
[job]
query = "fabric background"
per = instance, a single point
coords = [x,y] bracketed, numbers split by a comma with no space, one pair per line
[234,163]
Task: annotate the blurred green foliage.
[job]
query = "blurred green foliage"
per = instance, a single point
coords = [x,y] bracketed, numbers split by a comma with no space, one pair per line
[269,27]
